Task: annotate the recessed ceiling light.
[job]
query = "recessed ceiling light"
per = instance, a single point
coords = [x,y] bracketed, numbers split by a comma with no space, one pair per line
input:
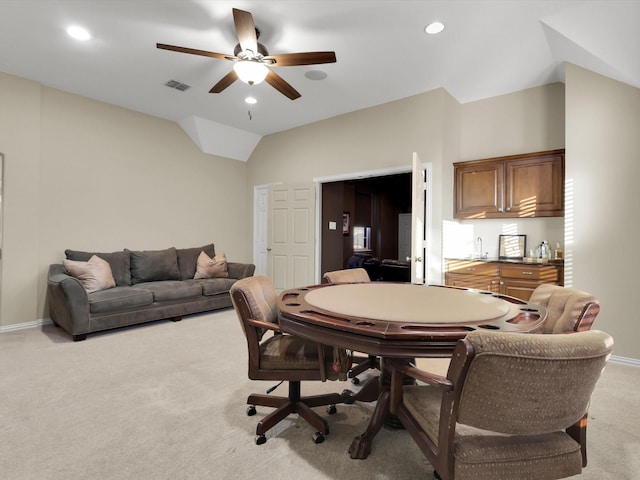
[315,75]
[251,100]
[433,28]
[79,33]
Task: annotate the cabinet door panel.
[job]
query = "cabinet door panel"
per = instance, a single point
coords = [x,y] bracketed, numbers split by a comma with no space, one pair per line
[534,186]
[479,190]
[518,288]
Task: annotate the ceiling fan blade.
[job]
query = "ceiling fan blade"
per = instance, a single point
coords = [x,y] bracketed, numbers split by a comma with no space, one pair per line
[307,58]
[280,84]
[193,51]
[227,80]
[246,30]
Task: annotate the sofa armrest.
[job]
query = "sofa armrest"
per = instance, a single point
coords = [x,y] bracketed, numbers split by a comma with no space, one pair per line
[240,270]
[68,301]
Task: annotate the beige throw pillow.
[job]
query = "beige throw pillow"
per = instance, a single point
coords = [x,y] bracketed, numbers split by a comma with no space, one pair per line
[208,267]
[94,275]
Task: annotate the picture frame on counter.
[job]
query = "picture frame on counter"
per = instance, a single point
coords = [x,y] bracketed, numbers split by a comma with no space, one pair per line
[512,247]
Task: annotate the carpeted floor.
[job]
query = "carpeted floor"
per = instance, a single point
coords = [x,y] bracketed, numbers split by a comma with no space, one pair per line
[167,401]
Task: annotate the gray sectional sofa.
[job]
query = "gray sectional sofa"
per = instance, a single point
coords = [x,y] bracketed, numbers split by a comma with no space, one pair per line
[149,285]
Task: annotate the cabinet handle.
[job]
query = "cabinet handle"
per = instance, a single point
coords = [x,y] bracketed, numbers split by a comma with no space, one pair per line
[500,210]
[527,273]
[508,209]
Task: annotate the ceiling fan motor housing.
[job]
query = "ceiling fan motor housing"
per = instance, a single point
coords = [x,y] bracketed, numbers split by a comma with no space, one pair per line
[262,50]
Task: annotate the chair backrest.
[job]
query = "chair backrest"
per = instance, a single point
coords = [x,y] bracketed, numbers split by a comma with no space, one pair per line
[568,310]
[350,275]
[255,297]
[530,384]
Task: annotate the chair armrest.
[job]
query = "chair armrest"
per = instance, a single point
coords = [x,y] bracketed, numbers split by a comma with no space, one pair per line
[412,371]
[262,324]
[399,370]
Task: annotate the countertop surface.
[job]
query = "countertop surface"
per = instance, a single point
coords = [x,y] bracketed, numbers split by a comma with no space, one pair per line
[523,261]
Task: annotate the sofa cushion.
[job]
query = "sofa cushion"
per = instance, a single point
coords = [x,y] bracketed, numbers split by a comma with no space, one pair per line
[188,257]
[172,290]
[215,267]
[154,265]
[118,261]
[119,298]
[94,275]
[214,286]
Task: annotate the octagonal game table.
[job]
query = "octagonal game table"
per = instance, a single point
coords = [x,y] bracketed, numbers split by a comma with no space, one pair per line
[399,320]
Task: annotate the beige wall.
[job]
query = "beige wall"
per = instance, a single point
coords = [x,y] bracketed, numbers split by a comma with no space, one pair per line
[384,136]
[20,143]
[603,168]
[85,175]
[531,120]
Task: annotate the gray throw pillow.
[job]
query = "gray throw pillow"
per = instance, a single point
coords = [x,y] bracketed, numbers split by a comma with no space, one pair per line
[154,265]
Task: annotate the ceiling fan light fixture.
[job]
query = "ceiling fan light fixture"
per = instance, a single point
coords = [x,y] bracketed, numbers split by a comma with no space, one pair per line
[251,100]
[251,71]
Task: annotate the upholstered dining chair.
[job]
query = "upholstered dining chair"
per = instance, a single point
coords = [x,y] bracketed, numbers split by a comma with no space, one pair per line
[285,358]
[511,406]
[349,275]
[568,309]
[354,275]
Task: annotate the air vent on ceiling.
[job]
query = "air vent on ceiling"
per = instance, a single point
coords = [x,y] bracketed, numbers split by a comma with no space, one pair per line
[177,85]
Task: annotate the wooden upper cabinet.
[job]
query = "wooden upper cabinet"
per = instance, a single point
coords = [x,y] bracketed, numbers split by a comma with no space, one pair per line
[479,189]
[528,185]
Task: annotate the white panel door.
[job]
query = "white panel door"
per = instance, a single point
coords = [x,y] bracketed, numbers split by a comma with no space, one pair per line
[260,240]
[418,257]
[291,235]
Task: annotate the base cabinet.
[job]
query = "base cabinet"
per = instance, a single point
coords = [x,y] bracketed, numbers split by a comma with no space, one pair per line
[514,279]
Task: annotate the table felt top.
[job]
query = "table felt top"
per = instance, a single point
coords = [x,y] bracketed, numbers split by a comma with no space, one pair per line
[403,302]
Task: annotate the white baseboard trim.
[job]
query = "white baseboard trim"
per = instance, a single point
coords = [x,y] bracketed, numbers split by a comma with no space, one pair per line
[22,326]
[634,362]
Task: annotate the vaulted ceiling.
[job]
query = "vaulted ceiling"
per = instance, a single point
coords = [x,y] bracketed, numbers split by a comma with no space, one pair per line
[487,48]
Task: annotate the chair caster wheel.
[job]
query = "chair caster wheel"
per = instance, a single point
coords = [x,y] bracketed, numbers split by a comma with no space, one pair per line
[355,380]
[318,437]
[347,397]
[251,411]
[331,409]
[260,439]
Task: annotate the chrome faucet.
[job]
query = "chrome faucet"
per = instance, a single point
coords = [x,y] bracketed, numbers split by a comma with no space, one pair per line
[479,241]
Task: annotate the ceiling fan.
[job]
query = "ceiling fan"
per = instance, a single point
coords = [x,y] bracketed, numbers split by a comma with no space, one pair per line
[252,60]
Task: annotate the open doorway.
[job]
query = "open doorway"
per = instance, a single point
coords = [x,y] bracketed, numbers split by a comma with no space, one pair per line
[361,225]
